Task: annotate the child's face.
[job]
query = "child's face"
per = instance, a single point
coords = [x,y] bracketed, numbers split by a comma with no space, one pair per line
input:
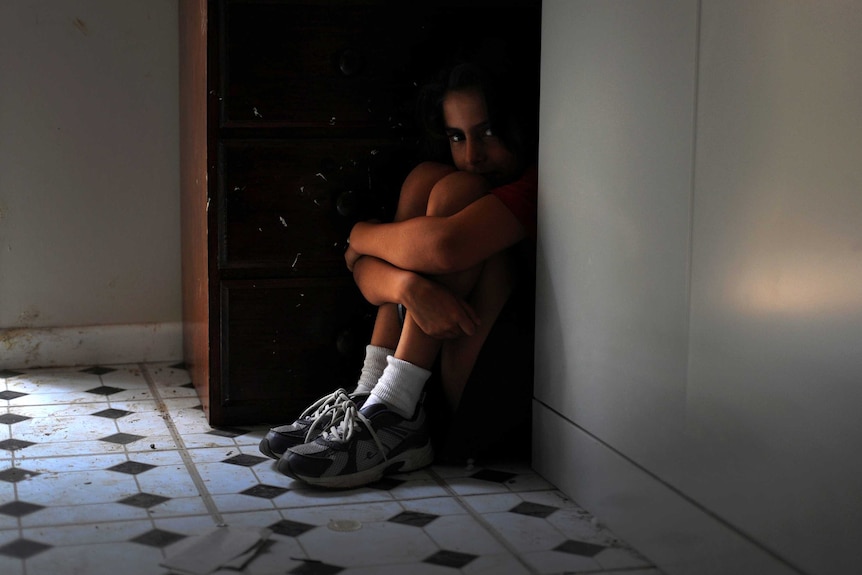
[475,147]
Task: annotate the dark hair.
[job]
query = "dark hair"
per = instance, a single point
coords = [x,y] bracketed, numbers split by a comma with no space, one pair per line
[511,98]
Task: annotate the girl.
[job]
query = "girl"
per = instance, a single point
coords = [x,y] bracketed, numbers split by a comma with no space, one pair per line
[461,244]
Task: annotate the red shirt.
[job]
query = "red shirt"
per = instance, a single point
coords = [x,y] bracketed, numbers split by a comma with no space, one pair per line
[521,197]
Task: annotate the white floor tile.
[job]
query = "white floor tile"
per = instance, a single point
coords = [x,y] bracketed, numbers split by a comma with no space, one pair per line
[524,533]
[51,463]
[496,564]
[182,484]
[78,487]
[106,531]
[77,514]
[102,559]
[465,535]
[377,543]
[557,562]
[435,506]
[361,513]
[9,566]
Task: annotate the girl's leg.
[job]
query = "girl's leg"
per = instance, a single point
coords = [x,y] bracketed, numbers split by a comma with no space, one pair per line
[488,297]
[448,196]
[402,383]
[412,202]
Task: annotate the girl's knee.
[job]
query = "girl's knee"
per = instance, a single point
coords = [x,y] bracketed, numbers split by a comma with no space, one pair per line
[455,192]
[416,190]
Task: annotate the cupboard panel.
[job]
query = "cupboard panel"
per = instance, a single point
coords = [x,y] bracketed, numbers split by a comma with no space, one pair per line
[289,204]
[287,342]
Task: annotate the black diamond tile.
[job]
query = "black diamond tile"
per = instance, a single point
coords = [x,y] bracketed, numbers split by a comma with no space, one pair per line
[23,548]
[144,500]
[533,509]
[112,413]
[12,418]
[414,518]
[290,528]
[450,558]
[13,444]
[5,373]
[188,385]
[245,460]
[105,390]
[98,370]
[386,484]
[180,365]
[313,567]
[11,394]
[19,508]
[264,491]
[227,432]
[16,474]
[131,467]
[579,548]
[158,538]
[492,475]
[122,438]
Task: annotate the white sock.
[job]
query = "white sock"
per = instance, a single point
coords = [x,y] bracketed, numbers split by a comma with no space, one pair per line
[372,368]
[400,386]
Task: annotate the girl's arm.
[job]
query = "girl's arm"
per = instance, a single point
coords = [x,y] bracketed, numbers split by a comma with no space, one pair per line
[435,308]
[440,245]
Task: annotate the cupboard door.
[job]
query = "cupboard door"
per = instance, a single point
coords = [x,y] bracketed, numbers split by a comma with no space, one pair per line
[320,64]
[287,342]
[288,205]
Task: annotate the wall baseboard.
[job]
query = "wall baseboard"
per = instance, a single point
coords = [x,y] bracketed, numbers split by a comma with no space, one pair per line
[22,348]
[674,532]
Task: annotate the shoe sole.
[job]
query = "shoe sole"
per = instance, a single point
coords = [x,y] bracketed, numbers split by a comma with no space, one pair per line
[264,448]
[409,460]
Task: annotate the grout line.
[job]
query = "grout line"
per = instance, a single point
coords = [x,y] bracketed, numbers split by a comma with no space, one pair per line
[483,522]
[191,468]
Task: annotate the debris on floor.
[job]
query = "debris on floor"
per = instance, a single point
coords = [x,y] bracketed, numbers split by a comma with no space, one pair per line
[222,547]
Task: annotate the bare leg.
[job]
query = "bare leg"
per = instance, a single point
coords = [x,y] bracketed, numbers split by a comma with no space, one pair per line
[488,297]
[412,202]
[450,195]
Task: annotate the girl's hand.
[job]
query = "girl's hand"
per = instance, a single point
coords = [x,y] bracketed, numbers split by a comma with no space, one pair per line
[350,257]
[439,312]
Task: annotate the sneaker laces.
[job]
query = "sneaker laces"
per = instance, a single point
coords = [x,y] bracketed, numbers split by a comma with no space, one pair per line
[317,411]
[348,420]
[323,404]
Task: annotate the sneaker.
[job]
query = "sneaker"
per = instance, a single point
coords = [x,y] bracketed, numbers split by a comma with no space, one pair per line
[360,447]
[308,426]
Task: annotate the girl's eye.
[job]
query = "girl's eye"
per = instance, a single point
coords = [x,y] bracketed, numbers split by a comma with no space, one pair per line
[455,137]
[489,133]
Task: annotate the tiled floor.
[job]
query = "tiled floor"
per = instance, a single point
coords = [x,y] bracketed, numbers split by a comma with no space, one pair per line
[112,469]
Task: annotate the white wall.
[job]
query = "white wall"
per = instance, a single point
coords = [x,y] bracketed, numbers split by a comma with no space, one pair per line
[89,178]
[699,355]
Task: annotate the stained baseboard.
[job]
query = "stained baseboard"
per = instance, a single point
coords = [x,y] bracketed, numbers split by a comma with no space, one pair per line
[22,348]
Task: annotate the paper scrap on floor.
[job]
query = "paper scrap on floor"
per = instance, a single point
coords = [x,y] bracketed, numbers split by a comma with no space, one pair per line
[222,547]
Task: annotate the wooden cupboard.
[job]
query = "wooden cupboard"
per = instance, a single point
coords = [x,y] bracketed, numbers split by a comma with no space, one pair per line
[296,122]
